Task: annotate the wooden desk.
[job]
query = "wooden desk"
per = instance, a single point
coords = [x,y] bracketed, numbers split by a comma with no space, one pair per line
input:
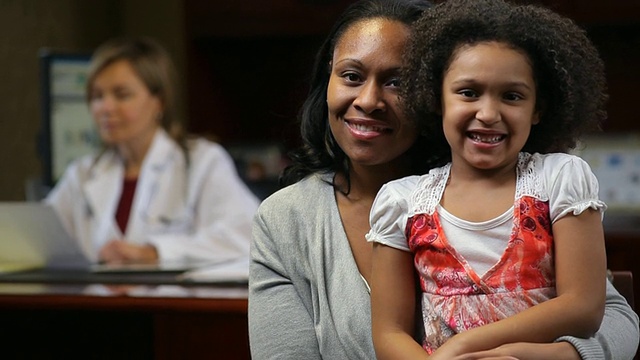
[67,321]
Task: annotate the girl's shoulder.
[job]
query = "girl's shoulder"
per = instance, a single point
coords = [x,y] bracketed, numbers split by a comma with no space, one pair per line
[549,164]
[547,175]
[421,193]
[414,181]
[403,182]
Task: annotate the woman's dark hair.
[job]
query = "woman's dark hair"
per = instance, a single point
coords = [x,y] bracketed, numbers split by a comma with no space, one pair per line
[320,152]
[569,74]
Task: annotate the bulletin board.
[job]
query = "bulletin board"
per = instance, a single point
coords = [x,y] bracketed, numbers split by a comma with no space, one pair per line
[615,160]
[67,130]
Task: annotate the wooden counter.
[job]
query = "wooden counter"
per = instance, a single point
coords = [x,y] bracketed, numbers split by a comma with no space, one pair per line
[94,321]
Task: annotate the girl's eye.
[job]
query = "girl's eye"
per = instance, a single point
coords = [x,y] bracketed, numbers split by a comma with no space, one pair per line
[467,93]
[513,96]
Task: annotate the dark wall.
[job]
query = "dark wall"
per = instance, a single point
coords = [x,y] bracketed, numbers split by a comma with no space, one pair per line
[249,61]
[74,25]
[244,64]
[249,64]
[27,26]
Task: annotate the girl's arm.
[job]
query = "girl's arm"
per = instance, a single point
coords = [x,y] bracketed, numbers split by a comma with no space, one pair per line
[525,351]
[393,304]
[578,309]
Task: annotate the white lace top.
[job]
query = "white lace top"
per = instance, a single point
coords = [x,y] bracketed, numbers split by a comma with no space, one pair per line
[566,181]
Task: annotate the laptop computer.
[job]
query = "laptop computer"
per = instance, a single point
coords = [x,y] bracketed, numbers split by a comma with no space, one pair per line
[33,237]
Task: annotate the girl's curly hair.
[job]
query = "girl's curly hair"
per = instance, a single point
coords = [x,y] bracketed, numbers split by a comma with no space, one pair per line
[567,69]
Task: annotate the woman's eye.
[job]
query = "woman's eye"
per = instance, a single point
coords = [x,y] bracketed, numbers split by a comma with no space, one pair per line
[351,77]
[394,83]
[123,95]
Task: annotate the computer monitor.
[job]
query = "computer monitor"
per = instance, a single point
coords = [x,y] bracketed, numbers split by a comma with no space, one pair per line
[67,130]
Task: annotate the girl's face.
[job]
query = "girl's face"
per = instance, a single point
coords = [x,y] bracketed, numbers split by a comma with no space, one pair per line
[124,110]
[362,96]
[488,102]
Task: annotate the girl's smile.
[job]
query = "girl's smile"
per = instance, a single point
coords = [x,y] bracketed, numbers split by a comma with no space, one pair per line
[489,105]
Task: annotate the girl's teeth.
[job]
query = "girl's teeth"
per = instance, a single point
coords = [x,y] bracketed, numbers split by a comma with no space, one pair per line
[486,139]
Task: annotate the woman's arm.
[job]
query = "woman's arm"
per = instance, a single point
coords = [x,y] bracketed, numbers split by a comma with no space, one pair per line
[618,336]
[393,297]
[280,326]
[578,308]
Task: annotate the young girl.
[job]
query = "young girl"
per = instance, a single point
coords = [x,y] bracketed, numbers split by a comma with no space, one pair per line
[506,237]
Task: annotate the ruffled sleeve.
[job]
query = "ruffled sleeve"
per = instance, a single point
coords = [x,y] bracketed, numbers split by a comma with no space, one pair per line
[572,186]
[389,214]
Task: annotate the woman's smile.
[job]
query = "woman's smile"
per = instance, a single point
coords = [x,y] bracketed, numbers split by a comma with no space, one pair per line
[364,113]
[367,129]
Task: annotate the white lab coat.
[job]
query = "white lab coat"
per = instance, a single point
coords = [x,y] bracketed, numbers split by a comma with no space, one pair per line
[201,213]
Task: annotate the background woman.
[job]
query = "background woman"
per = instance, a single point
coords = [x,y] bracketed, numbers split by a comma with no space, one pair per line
[151,194]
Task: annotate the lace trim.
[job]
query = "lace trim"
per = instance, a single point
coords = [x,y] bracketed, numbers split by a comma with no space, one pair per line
[528,181]
[430,187]
[429,191]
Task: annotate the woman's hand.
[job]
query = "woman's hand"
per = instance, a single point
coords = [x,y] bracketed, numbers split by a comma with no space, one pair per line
[120,251]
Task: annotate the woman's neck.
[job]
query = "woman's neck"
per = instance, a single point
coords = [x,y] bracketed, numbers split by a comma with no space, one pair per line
[365,181]
[133,154]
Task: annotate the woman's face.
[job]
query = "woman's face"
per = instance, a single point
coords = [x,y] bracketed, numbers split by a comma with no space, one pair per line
[124,110]
[362,96]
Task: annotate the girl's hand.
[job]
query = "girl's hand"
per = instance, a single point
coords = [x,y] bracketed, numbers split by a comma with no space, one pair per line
[478,356]
[525,351]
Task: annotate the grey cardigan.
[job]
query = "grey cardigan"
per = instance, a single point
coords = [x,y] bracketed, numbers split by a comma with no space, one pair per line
[307,299]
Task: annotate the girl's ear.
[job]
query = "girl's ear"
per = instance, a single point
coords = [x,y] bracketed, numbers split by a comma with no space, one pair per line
[535,119]
[538,111]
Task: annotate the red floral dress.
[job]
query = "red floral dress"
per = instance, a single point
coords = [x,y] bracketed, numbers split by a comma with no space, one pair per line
[456,298]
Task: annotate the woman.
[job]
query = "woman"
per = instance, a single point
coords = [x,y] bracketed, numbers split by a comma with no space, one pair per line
[151,194]
[310,263]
